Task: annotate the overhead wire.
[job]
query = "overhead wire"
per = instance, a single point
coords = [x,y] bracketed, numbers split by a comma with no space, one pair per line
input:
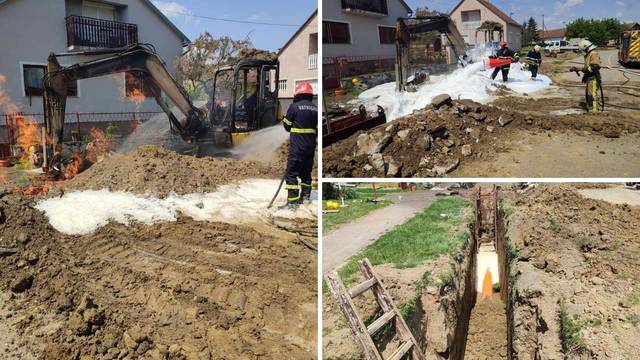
[231,20]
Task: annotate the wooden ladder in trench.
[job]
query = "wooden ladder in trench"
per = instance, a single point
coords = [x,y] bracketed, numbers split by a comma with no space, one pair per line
[363,333]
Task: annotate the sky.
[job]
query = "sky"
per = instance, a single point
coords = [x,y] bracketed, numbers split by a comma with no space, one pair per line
[290,14]
[556,12]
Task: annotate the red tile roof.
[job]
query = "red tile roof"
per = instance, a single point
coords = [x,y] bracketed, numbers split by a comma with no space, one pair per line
[553,33]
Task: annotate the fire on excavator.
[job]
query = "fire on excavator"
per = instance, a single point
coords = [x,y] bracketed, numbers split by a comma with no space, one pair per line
[244,99]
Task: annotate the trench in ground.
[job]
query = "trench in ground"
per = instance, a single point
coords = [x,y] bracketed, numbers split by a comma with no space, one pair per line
[484,318]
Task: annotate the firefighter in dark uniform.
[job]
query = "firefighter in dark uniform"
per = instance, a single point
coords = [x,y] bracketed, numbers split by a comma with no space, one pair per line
[534,60]
[301,122]
[504,53]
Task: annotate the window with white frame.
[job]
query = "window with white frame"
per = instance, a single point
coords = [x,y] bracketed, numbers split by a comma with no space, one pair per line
[282,85]
[98,10]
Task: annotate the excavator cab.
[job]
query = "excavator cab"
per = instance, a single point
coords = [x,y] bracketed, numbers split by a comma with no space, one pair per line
[245,97]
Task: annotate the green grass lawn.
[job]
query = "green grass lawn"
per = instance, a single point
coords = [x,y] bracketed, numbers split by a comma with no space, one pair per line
[425,236]
[379,191]
[355,208]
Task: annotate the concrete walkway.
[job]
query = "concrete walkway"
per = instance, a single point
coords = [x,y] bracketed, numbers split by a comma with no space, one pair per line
[346,240]
[614,195]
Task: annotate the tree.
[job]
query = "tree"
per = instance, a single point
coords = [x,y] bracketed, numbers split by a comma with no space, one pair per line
[530,32]
[532,28]
[204,56]
[597,31]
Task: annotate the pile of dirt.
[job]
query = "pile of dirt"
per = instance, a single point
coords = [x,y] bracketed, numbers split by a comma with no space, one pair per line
[580,254]
[182,290]
[434,141]
[160,172]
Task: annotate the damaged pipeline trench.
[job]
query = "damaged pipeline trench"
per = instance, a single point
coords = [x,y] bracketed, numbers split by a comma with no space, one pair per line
[478,313]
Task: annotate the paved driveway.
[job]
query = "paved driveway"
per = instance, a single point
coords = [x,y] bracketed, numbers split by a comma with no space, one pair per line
[345,241]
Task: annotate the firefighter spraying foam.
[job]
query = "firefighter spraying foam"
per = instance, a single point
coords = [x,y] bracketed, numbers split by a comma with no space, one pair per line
[508,56]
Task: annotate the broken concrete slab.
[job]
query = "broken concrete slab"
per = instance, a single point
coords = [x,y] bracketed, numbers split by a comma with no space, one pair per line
[504,120]
[441,100]
[377,162]
[445,169]
[372,143]
[392,168]
[479,116]
[466,150]
[402,134]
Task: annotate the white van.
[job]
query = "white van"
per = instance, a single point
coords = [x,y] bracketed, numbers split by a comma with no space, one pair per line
[558,46]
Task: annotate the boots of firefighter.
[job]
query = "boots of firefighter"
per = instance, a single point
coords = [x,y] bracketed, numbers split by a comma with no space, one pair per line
[293,193]
[305,192]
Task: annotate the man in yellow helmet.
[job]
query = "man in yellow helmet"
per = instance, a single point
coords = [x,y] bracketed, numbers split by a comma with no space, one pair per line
[591,77]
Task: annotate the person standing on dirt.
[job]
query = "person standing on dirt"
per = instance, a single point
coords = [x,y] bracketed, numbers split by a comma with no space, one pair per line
[504,53]
[534,59]
[301,122]
[591,71]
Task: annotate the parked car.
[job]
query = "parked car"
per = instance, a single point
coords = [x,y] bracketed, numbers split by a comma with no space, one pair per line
[559,46]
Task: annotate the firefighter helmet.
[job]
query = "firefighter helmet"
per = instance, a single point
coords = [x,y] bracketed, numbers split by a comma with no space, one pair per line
[586,45]
[303,88]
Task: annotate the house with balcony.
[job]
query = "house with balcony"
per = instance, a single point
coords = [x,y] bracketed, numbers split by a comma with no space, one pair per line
[31,29]
[358,36]
[481,22]
[299,60]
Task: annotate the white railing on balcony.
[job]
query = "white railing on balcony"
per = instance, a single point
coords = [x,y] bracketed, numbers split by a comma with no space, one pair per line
[313,61]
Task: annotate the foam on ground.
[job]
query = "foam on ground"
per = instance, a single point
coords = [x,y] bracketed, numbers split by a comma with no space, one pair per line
[471,82]
[83,212]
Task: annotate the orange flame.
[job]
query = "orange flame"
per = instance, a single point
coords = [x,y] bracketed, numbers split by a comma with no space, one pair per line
[36,189]
[74,168]
[28,131]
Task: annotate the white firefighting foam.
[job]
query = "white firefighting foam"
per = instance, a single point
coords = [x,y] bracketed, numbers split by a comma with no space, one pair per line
[83,212]
[261,145]
[471,82]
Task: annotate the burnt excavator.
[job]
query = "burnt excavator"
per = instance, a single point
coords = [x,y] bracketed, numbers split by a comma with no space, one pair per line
[339,125]
[408,27]
[244,96]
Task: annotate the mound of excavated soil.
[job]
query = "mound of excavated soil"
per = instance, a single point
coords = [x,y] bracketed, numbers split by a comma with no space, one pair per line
[161,172]
[582,252]
[180,290]
[434,141]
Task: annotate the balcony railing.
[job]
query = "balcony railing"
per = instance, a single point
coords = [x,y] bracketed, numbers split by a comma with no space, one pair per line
[313,61]
[95,33]
[372,6]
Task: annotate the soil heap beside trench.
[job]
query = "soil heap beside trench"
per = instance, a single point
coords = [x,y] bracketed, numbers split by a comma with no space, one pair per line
[582,253]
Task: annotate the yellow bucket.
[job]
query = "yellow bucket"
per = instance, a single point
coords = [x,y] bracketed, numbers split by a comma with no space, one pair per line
[331,205]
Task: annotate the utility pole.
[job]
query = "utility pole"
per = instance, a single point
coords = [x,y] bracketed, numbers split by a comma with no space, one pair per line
[543,23]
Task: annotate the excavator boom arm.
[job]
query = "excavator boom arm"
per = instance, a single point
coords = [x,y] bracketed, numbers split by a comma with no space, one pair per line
[139,60]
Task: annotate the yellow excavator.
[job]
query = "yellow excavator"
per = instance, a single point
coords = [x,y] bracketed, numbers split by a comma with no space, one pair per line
[244,97]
